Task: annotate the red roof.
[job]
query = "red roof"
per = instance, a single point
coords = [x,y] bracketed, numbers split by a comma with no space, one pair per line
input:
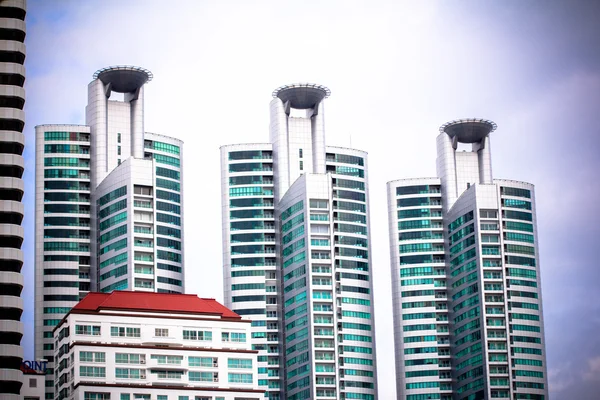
[159,302]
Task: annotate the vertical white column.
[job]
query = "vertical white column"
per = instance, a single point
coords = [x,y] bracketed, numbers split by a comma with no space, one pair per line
[446,169]
[96,114]
[279,137]
[136,101]
[318,139]
[484,157]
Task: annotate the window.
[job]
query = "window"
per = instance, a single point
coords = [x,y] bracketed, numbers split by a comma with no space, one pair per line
[517,192]
[88,356]
[195,376]
[203,362]
[488,213]
[233,337]
[160,146]
[197,335]
[164,374]
[301,165]
[32,383]
[125,396]
[174,360]
[300,153]
[93,396]
[167,160]
[161,332]
[122,191]
[130,373]
[122,331]
[239,363]
[124,358]
[166,184]
[240,378]
[94,372]
[318,204]
[87,330]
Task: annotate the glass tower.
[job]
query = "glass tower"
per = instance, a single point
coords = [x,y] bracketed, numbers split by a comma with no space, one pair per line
[108,206]
[12,165]
[296,253]
[468,319]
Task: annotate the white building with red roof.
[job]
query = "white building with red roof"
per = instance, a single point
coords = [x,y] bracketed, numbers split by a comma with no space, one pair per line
[154,346]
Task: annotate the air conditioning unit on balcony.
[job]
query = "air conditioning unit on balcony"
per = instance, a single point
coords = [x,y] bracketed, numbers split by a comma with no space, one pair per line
[142,361]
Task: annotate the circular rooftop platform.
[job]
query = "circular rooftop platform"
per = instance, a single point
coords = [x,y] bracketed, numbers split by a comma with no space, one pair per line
[468,130]
[124,78]
[302,95]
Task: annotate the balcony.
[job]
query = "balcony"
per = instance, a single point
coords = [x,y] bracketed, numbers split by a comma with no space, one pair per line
[142,204]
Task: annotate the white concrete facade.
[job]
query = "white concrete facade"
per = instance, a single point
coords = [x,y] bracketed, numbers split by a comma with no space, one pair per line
[12,165]
[149,354]
[466,278]
[109,204]
[33,387]
[279,251]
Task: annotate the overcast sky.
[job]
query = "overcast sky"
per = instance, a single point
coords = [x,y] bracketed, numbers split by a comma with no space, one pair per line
[397,71]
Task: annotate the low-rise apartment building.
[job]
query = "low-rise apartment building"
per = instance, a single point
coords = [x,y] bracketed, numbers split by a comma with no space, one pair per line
[154,346]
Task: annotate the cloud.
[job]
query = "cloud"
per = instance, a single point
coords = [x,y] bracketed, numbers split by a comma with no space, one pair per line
[593,372]
[561,377]
[572,380]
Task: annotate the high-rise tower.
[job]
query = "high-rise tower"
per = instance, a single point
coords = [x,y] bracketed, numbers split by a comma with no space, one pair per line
[12,165]
[296,253]
[108,204]
[468,315]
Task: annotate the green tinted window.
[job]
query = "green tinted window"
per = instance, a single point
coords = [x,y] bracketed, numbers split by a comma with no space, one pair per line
[168,219]
[509,191]
[121,230]
[61,173]
[66,162]
[168,256]
[160,158]
[168,207]
[164,195]
[114,220]
[122,191]
[249,155]
[168,173]
[115,286]
[167,184]
[160,146]
[118,245]
[168,231]
[119,258]
[118,206]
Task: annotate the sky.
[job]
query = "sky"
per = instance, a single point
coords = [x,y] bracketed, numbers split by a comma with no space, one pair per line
[397,70]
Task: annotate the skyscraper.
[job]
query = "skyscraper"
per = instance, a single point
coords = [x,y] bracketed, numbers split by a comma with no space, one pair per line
[296,253]
[108,204]
[468,315]
[12,142]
